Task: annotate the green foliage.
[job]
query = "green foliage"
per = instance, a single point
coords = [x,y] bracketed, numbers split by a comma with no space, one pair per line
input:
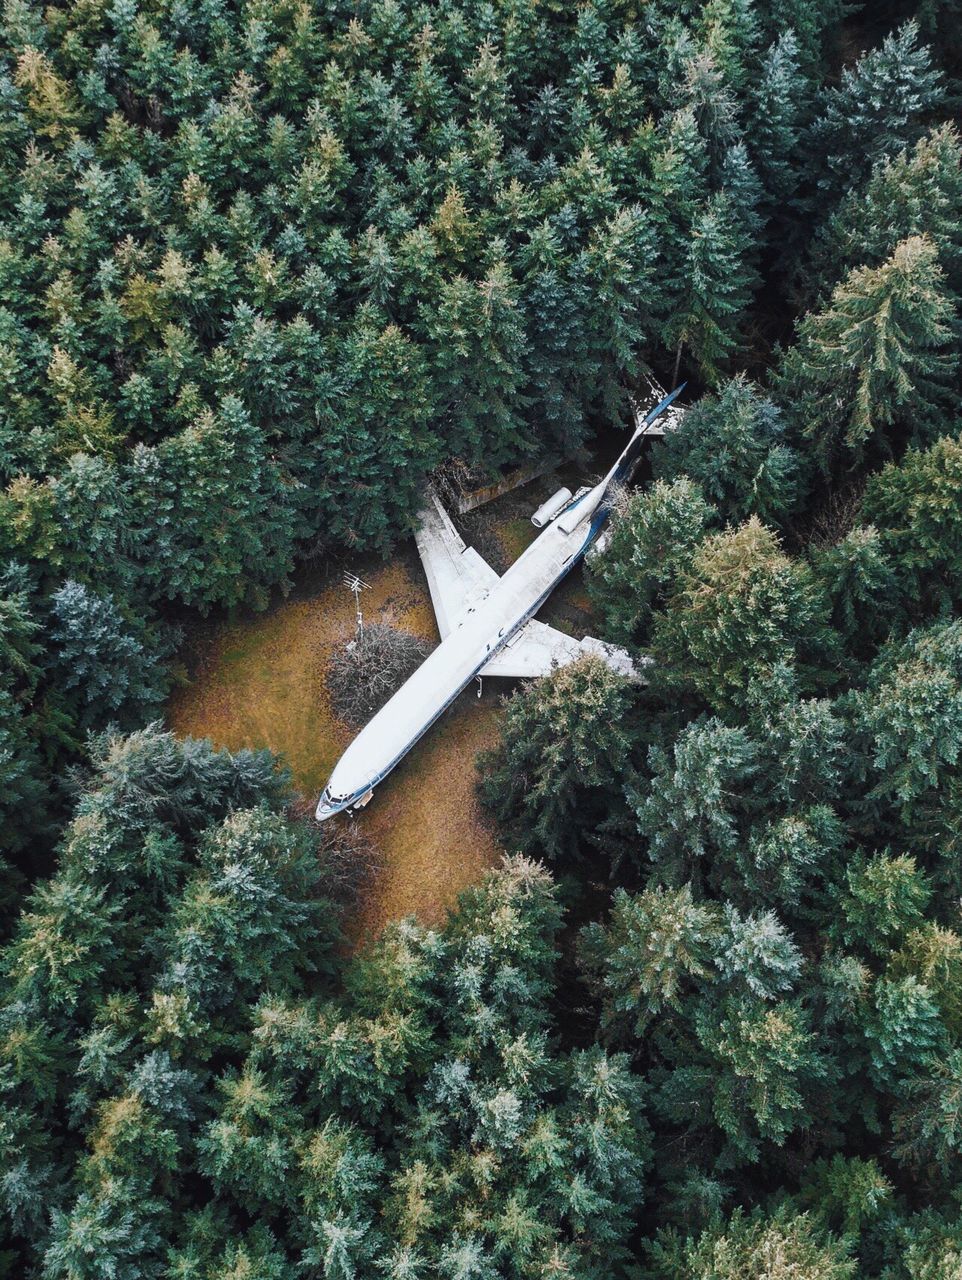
[875,110]
[642,960]
[910,714]
[914,504]
[754,1064]
[653,536]
[562,752]
[741,609]
[733,446]
[263,268]
[860,581]
[718,283]
[780,104]
[915,193]
[875,359]
[114,670]
[885,896]
[689,811]
[747,1247]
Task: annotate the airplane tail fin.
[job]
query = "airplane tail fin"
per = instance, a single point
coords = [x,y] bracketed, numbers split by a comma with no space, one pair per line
[659,409]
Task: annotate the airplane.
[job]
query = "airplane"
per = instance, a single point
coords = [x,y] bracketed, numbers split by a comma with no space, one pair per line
[486,622]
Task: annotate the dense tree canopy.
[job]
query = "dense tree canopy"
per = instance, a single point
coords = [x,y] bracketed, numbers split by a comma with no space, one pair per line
[265,268]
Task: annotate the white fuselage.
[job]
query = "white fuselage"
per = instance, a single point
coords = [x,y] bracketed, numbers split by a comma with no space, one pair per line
[486,626]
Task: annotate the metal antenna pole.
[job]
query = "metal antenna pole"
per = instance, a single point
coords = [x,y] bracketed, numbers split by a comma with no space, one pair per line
[356,585]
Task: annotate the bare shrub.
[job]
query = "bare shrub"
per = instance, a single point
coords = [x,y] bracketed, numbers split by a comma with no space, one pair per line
[835,516]
[364,672]
[349,860]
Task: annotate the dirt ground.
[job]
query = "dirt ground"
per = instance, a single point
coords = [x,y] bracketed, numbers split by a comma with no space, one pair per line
[259,682]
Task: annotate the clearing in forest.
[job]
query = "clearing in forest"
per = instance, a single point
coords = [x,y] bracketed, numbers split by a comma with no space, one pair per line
[259,682]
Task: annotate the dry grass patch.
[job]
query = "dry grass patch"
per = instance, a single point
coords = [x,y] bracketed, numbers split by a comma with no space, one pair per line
[260,682]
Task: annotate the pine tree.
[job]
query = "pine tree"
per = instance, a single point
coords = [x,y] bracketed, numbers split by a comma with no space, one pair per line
[876,357]
[564,747]
[926,1123]
[675,194]
[884,898]
[859,579]
[729,29]
[903,1031]
[653,537]
[742,608]
[112,665]
[623,299]
[759,1063]
[908,715]
[367,462]
[750,1245]
[914,505]
[477,349]
[757,955]
[779,107]
[654,948]
[733,446]
[875,111]
[213,517]
[719,281]
[915,193]
[707,94]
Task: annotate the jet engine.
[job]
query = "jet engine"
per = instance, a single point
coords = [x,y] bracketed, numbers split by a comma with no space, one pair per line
[549,509]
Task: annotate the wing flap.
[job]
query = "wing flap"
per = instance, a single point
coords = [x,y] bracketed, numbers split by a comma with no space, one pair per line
[457,576]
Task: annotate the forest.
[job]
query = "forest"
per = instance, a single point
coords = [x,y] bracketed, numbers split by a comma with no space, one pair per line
[265,267]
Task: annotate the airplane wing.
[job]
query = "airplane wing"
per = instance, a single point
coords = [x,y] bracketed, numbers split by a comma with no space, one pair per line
[457,576]
[537,649]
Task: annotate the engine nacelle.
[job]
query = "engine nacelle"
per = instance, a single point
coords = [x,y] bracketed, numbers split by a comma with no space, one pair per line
[549,509]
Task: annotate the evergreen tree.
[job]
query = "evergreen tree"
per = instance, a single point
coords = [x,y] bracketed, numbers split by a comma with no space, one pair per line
[649,954]
[562,752]
[733,446]
[918,192]
[860,581]
[746,1246]
[209,505]
[877,357]
[875,111]
[779,107]
[114,670]
[816,23]
[653,537]
[739,610]
[908,714]
[719,280]
[477,343]
[914,506]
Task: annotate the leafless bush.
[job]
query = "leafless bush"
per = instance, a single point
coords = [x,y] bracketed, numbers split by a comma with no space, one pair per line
[349,860]
[366,671]
[836,515]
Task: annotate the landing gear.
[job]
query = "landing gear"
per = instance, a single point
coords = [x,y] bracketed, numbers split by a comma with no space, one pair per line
[480,685]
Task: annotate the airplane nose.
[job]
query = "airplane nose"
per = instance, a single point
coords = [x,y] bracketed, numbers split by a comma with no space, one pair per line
[324,808]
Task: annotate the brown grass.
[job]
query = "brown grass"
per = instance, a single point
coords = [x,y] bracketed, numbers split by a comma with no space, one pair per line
[259,682]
